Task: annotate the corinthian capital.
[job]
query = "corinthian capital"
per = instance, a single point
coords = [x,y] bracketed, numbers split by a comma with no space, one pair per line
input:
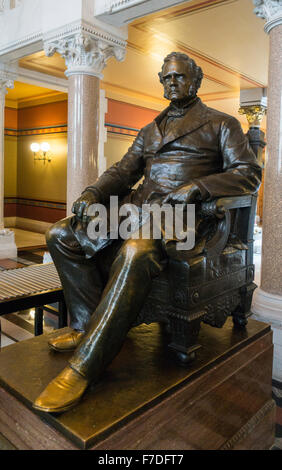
[5,82]
[84,53]
[254,114]
[270,10]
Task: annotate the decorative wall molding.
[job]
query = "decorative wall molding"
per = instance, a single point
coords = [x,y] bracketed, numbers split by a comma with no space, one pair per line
[34,210]
[57,129]
[184,9]
[122,130]
[25,45]
[33,77]
[269,10]
[85,27]
[110,6]
[35,202]
[120,12]
[63,129]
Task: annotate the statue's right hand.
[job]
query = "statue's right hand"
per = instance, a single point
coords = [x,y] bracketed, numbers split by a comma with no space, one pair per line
[81,205]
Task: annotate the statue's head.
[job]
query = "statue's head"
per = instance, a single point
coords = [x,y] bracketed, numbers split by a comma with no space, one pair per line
[180,76]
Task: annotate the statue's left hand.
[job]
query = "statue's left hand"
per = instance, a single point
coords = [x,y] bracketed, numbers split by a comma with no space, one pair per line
[187,194]
[82,204]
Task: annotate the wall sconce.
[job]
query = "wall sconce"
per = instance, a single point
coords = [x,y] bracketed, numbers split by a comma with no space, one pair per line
[41,152]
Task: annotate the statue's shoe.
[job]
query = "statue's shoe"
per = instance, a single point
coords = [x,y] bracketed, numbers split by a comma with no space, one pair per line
[66,342]
[62,393]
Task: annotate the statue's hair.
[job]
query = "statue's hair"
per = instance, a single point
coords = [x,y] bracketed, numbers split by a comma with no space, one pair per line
[191,64]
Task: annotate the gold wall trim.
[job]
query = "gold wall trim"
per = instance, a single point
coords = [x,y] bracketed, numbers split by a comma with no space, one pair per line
[112,128]
[36,131]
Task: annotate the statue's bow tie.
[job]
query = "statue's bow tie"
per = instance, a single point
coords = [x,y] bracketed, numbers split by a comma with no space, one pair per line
[176,112]
[182,108]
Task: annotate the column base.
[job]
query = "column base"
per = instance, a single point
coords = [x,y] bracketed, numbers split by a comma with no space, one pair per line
[267,308]
[8,247]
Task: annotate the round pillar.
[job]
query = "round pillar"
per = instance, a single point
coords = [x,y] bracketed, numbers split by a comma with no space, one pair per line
[5,82]
[85,55]
[271,273]
[83,134]
[267,303]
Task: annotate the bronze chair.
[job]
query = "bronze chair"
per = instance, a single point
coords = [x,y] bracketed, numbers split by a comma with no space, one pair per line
[215,284]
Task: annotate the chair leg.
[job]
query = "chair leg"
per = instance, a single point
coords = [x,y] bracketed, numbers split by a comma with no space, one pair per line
[243,311]
[63,314]
[184,336]
[38,321]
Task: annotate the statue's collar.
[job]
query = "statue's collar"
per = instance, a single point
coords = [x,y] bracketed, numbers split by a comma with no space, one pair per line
[195,117]
[195,108]
[181,108]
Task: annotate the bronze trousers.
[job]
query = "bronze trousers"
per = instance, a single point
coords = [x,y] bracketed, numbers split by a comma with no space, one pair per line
[104,294]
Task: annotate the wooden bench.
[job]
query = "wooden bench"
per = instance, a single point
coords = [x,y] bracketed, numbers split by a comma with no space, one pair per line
[35,286]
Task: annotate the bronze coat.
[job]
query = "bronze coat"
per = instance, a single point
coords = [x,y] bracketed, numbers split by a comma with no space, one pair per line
[205,147]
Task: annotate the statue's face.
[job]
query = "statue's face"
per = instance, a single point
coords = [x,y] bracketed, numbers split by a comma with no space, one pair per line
[177,80]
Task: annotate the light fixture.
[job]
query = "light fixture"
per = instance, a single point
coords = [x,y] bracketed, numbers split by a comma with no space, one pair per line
[45,147]
[41,152]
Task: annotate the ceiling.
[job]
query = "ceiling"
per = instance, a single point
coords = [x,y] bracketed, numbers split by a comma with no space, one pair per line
[224,37]
[24,95]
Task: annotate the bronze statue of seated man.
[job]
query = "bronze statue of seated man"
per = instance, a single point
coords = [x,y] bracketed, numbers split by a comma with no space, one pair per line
[189,153]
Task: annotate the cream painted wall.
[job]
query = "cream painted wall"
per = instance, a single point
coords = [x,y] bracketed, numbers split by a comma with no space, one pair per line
[39,180]
[10,168]
[116,147]
[35,180]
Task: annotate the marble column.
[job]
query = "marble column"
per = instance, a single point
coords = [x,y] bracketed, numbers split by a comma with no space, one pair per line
[267,304]
[83,134]
[86,57]
[5,82]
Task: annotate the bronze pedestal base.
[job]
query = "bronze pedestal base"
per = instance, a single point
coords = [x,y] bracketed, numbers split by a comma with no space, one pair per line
[145,400]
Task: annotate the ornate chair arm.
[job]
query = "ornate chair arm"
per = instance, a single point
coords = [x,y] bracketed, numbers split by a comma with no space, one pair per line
[219,207]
